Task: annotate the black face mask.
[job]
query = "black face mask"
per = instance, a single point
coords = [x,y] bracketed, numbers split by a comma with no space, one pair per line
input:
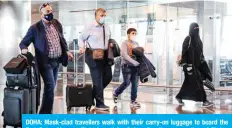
[48,17]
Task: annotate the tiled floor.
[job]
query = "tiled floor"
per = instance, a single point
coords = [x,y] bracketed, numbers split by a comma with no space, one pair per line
[153,101]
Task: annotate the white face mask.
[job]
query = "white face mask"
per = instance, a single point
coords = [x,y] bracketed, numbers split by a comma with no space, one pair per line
[102,20]
[133,38]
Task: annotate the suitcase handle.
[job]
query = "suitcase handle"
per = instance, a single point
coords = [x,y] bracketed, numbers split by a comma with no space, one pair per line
[80,85]
[76,85]
[25,57]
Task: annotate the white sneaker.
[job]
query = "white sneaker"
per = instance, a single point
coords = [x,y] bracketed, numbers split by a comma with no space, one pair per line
[207,104]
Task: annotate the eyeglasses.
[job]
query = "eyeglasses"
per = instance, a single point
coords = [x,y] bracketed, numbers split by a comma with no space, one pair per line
[43,6]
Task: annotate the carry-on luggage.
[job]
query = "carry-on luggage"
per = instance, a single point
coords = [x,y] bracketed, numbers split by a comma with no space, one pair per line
[20,96]
[17,102]
[79,94]
[26,79]
[16,65]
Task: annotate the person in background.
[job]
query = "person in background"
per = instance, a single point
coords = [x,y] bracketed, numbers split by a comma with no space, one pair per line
[96,36]
[192,56]
[50,50]
[129,68]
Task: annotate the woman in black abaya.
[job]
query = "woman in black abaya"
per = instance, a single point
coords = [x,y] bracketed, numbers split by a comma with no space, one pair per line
[192,54]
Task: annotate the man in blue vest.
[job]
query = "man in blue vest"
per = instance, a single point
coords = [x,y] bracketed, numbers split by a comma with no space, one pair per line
[50,50]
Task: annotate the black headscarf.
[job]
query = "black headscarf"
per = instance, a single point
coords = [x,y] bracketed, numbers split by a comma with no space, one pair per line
[194,30]
[194,34]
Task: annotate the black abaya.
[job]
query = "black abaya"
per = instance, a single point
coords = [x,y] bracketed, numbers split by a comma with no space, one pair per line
[192,88]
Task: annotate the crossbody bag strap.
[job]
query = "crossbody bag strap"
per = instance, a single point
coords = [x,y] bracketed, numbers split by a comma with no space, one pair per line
[104,36]
[88,43]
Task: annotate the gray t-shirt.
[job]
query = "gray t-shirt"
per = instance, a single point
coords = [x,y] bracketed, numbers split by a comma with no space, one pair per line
[126,59]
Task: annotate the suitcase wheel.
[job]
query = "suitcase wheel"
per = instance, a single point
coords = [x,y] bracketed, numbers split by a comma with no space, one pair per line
[69,109]
[88,108]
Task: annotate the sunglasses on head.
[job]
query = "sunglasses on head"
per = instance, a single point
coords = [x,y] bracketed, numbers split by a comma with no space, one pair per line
[44,5]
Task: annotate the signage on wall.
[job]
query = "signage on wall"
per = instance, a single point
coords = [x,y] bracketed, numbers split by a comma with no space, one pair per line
[123,22]
[150,23]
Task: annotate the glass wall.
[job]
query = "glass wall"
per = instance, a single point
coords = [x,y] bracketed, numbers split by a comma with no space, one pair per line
[162,28]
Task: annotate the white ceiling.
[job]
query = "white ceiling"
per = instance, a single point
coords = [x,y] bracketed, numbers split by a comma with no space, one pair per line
[80,12]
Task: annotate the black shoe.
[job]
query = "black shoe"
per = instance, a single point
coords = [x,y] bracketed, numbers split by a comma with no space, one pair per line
[180,101]
[135,104]
[115,98]
[103,108]
[207,104]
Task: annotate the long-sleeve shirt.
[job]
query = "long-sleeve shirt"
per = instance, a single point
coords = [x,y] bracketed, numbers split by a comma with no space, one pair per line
[126,59]
[54,47]
[93,35]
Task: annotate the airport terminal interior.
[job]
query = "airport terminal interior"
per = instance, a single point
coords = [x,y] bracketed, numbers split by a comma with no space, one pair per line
[162,26]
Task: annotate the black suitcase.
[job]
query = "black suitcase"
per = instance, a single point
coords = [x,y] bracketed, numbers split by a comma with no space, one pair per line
[79,96]
[78,93]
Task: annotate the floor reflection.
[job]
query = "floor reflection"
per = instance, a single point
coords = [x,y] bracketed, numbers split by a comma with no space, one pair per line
[123,107]
[115,110]
[185,110]
[152,100]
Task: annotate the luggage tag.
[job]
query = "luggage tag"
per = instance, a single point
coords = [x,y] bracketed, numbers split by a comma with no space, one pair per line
[16,87]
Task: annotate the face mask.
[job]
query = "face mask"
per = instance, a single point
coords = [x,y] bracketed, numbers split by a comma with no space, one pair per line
[133,38]
[102,20]
[48,17]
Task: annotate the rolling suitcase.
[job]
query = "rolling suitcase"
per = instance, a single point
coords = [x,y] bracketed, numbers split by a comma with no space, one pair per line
[15,103]
[18,101]
[79,94]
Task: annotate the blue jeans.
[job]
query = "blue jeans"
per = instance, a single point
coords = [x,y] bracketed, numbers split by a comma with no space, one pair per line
[101,75]
[49,73]
[130,75]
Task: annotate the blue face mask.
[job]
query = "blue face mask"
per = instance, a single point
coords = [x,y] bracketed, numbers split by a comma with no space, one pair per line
[102,20]
[48,17]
